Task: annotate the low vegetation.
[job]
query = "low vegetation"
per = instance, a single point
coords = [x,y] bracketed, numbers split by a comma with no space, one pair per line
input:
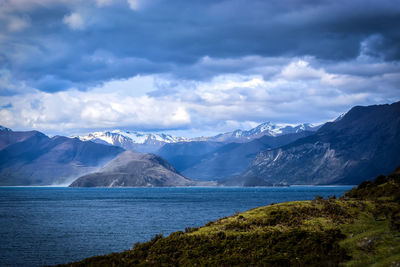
[361,228]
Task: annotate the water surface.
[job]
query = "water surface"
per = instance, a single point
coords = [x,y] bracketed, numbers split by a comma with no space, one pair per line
[47,225]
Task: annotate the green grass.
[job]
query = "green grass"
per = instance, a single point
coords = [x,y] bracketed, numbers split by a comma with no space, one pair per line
[304,215]
[360,229]
[371,242]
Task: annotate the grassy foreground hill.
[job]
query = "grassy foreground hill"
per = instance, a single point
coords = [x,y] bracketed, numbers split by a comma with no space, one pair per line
[359,229]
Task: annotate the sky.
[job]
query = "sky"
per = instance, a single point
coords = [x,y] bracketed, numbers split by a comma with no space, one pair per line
[193,67]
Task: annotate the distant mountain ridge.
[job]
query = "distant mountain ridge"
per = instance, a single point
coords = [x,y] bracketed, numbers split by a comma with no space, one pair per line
[32,158]
[132,140]
[365,142]
[264,129]
[151,142]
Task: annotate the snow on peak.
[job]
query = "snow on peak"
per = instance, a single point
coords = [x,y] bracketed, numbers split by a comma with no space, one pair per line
[118,137]
[4,129]
[266,128]
[131,139]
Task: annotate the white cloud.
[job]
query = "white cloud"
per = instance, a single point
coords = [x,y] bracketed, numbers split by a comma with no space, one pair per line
[93,109]
[298,90]
[300,69]
[74,21]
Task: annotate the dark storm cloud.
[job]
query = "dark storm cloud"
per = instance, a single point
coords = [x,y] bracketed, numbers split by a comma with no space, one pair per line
[209,65]
[40,46]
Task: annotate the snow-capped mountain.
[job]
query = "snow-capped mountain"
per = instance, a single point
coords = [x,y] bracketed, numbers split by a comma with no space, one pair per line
[270,129]
[151,142]
[131,140]
[263,129]
[2,128]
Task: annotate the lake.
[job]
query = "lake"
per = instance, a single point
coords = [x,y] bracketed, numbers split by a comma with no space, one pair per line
[51,225]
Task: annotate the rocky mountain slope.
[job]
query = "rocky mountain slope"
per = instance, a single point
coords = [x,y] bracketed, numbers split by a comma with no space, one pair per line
[184,155]
[32,158]
[234,158]
[360,229]
[9,137]
[134,169]
[364,143]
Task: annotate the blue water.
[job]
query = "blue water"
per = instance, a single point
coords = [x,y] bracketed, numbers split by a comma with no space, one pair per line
[41,226]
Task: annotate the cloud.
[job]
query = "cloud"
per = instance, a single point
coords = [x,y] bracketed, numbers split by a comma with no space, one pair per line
[208,65]
[171,36]
[9,85]
[298,90]
[49,83]
[377,46]
[6,106]
[97,108]
[102,3]
[134,4]
[16,24]
[74,21]
[301,70]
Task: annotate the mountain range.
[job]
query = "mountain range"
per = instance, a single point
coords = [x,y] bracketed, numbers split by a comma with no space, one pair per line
[131,140]
[32,158]
[364,142]
[214,161]
[152,142]
[264,129]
